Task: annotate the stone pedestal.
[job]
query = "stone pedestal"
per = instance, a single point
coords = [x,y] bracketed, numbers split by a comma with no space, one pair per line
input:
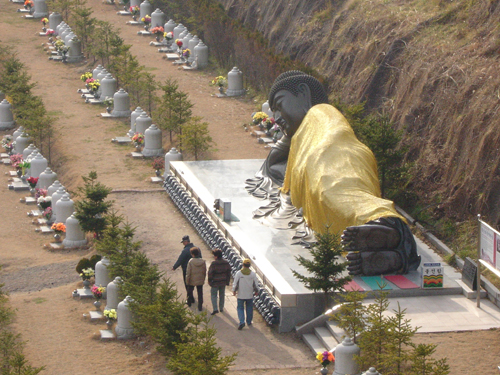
[112,293]
[54,20]
[178,30]
[46,179]
[55,198]
[201,55]
[108,87]
[124,329]
[133,117]
[145,9]
[21,143]
[75,50]
[64,208]
[157,18]
[152,142]
[235,83]
[6,116]
[41,9]
[172,155]
[344,358]
[53,188]
[38,165]
[102,273]
[75,236]
[121,104]
[142,123]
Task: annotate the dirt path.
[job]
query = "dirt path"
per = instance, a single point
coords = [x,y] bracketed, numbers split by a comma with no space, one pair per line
[41,281]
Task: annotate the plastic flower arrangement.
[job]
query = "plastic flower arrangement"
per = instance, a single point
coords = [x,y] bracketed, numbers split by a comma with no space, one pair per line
[259,117]
[179,43]
[135,10]
[32,181]
[146,19]
[268,123]
[169,35]
[24,165]
[47,213]
[325,358]
[59,228]
[158,163]
[158,30]
[40,193]
[50,32]
[94,85]
[87,273]
[44,21]
[97,291]
[108,102]
[110,314]
[16,159]
[44,202]
[138,139]
[186,53]
[219,81]
[85,76]
[59,44]
[8,147]
[28,4]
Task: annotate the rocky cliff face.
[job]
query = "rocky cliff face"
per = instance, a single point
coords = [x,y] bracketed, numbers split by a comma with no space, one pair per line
[431,65]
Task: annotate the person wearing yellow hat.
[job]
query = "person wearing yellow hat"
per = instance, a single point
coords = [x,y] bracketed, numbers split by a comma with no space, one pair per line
[245,283]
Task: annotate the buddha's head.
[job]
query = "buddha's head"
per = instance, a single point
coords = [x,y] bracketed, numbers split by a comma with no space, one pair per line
[292,95]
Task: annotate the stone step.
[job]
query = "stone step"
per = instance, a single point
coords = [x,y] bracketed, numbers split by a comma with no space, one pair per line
[325,337]
[337,332]
[312,341]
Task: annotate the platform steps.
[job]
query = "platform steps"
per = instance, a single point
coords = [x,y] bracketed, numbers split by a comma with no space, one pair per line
[321,334]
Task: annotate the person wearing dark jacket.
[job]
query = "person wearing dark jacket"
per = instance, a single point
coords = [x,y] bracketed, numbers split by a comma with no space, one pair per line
[183,260]
[219,275]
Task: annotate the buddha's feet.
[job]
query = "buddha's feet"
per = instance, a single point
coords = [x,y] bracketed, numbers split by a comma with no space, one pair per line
[370,237]
[371,263]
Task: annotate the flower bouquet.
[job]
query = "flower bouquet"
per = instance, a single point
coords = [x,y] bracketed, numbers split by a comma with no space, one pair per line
[87,273]
[32,181]
[259,117]
[325,359]
[186,53]
[92,85]
[44,202]
[219,81]
[86,76]
[97,291]
[147,21]
[168,36]
[59,228]
[158,164]
[178,42]
[50,32]
[112,316]
[8,147]
[47,214]
[134,10]
[24,165]
[138,139]
[158,31]
[40,193]
[15,160]
[28,4]
[268,123]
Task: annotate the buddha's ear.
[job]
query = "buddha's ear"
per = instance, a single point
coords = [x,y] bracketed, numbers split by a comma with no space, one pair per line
[305,93]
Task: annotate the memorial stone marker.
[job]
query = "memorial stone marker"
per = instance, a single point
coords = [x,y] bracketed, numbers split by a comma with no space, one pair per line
[124,329]
[152,142]
[102,273]
[112,293]
[145,9]
[41,9]
[54,20]
[142,123]
[75,236]
[201,55]
[38,165]
[235,83]
[172,155]
[46,179]
[133,117]
[64,209]
[345,354]
[121,104]
[6,116]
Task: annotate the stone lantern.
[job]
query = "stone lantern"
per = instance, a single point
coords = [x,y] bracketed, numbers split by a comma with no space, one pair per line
[172,155]
[38,165]
[75,50]
[235,83]
[64,208]
[21,143]
[75,236]
[102,273]
[53,188]
[193,42]
[6,116]
[142,123]
[54,20]
[152,142]
[124,329]
[108,86]
[178,30]
[41,9]
[112,293]
[121,104]
[169,26]
[133,117]
[97,70]
[55,198]
[157,18]
[46,179]
[371,371]
[201,53]
[344,358]
[145,9]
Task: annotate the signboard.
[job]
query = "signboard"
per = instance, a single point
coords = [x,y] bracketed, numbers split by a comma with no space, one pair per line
[469,273]
[490,245]
[432,275]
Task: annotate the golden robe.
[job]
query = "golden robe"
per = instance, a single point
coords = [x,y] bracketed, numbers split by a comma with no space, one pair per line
[331,175]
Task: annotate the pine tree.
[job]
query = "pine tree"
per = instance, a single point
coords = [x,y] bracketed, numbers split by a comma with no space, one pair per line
[181,113]
[351,314]
[402,334]
[195,137]
[325,268]
[424,364]
[163,113]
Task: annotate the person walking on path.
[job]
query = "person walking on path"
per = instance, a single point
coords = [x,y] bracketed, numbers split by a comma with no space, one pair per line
[219,275]
[183,260]
[195,276]
[245,283]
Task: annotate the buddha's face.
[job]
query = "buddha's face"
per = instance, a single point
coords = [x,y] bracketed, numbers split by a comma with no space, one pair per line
[290,109]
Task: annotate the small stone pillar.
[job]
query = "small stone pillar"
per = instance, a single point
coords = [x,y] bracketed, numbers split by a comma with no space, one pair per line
[17,133]
[54,20]
[64,31]
[121,104]
[157,18]
[97,70]
[28,151]
[201,53]
[75,50]
[371,371]
[38,165]
[112,293]
[193,42]
[75,236]
[172,155]
[169,26]
[53,188]
[266,109]
[100,76]
[124,329]
[60,27]
[178,30]
[133,118]
[344,358]
[145,9]
[108,86]
[55,198]
[102,273]
[185,41]
[68,37]
[21,143]
[6,116]
[41,9]
[46,179]
[235,83]
[152,142]
[64,209]
[142,123]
